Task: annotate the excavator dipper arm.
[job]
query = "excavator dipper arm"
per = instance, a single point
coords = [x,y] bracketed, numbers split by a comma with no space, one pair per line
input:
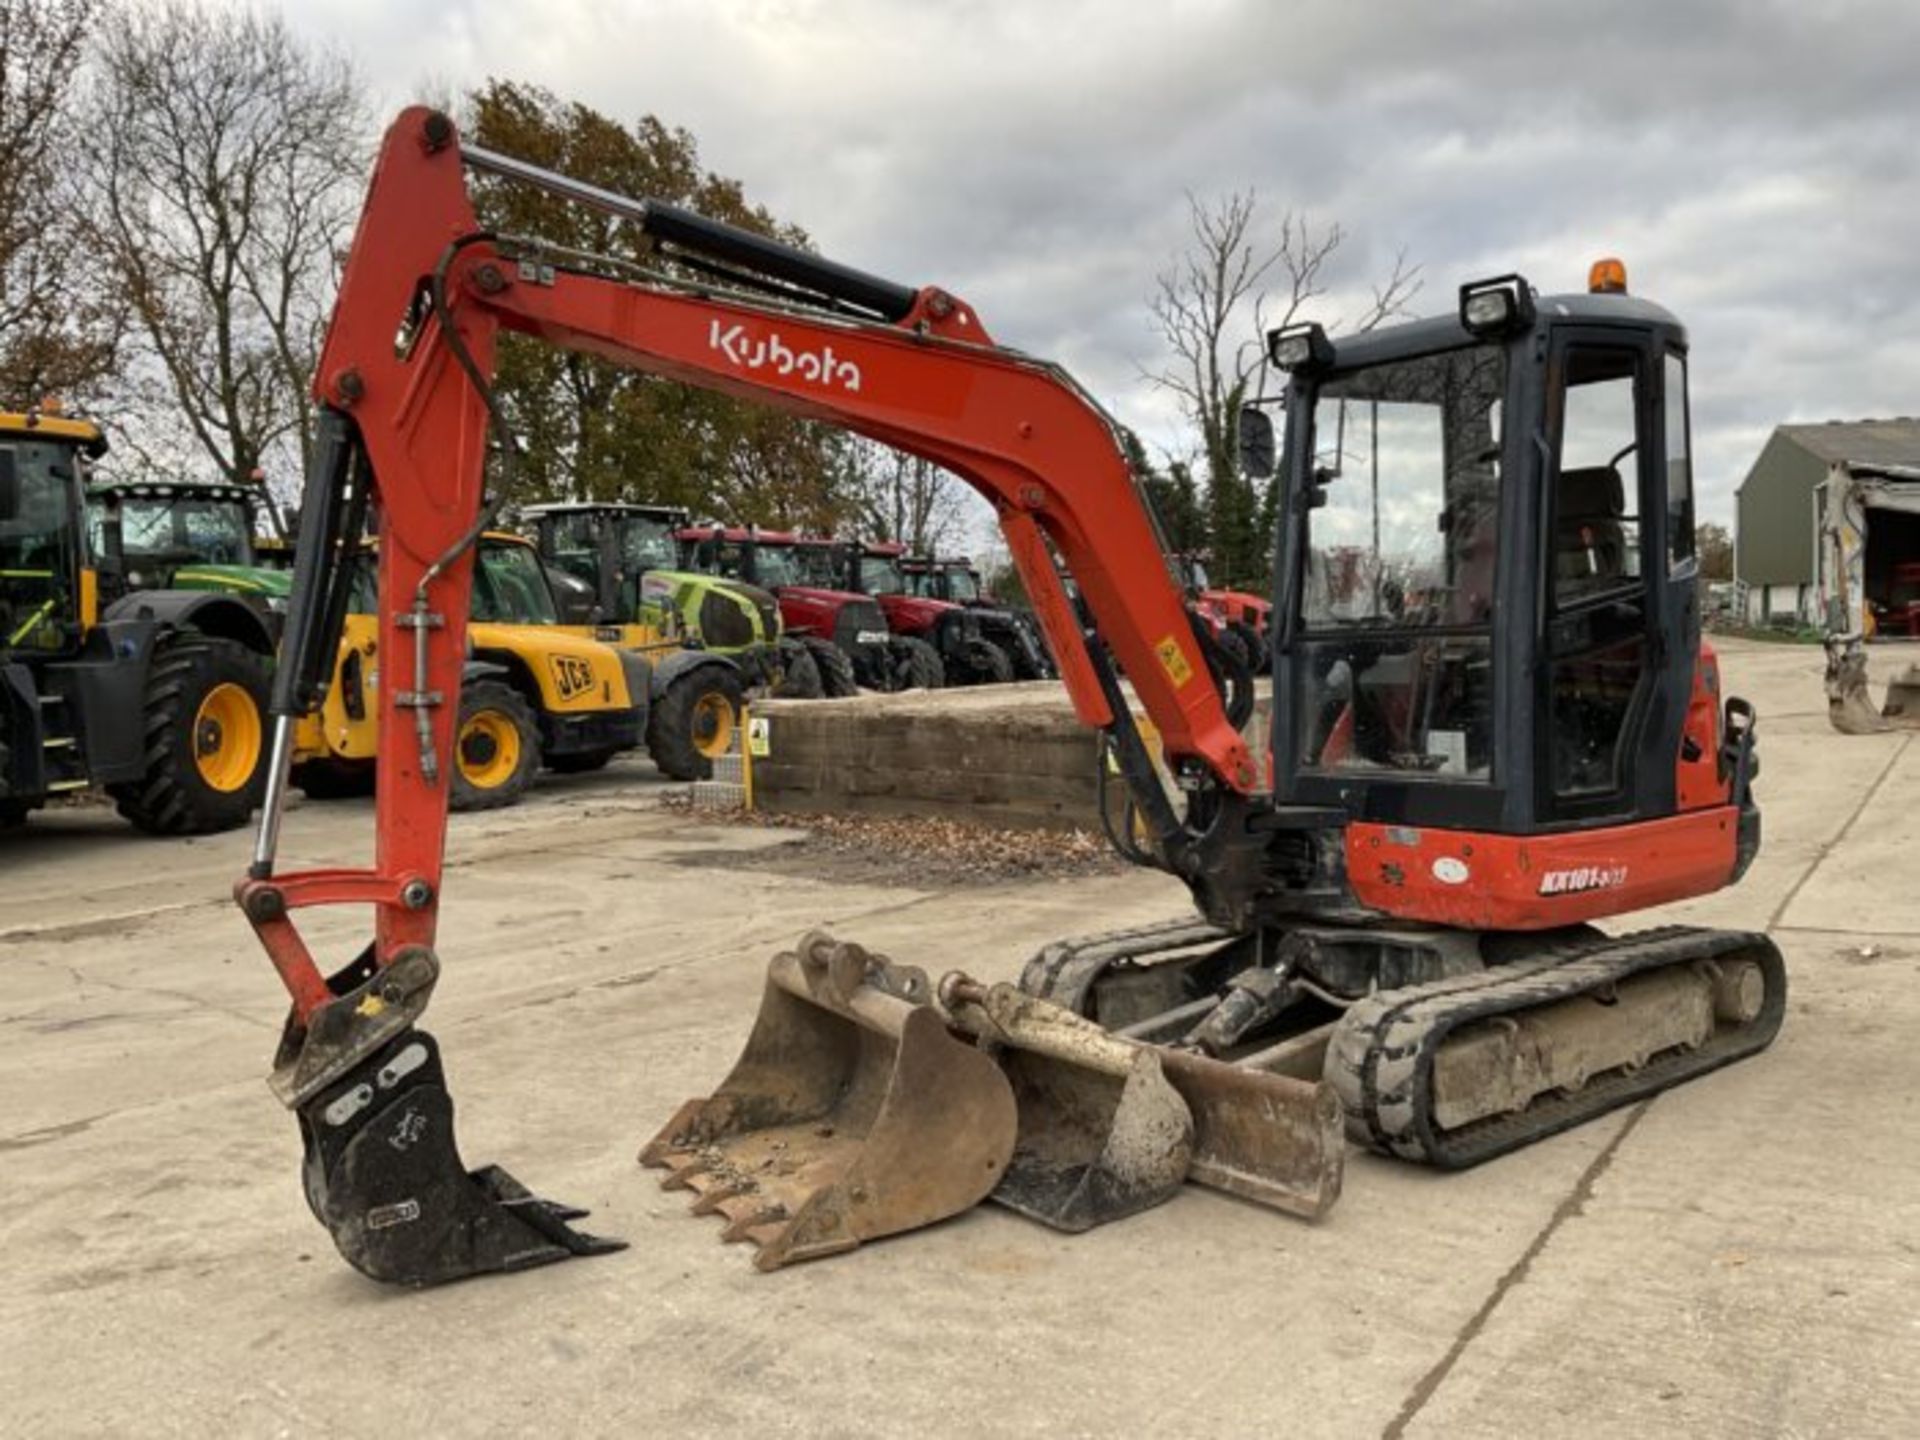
[404,382]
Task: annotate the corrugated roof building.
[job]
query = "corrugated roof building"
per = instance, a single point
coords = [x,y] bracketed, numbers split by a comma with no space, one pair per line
[1775,529]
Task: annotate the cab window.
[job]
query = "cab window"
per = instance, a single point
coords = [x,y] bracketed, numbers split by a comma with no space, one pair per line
[1679,466]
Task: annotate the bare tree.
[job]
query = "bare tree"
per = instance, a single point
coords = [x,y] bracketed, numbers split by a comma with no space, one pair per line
[896,496]
[1211,307]
[56,328]
[230,164]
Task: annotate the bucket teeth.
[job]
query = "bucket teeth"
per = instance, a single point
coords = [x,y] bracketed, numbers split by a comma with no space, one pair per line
[747,1225]
[852,1113]
[682,1176]
[712,1200]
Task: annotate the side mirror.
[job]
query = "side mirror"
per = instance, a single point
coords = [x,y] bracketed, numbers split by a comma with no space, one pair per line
[113,550]
[1258,452]
[9,492]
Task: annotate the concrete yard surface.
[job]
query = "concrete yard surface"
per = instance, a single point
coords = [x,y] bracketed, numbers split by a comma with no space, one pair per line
[1740,1257]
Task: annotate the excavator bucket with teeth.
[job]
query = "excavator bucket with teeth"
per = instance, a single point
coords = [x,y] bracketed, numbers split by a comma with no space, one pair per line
[853,1113]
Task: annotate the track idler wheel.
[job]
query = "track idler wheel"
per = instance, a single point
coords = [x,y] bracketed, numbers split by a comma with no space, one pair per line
[384,1175]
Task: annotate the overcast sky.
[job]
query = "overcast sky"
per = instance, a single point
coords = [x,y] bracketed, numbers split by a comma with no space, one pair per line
[1757,165]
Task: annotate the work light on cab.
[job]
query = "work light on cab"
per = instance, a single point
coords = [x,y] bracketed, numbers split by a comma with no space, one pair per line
[1299,347]
[1488,307]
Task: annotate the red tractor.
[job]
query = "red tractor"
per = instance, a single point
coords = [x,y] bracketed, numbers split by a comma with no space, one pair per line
[847,633]
[1240,619]
[954,578]
[952,632]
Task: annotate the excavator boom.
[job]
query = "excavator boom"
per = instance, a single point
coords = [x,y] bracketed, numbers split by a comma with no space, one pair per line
[407,417]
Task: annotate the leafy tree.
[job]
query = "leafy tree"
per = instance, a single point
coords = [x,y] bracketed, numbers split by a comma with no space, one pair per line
[1714,546]
[228,165]
[891,495]
[590,429]
[1173,495]
[57,326]
[1211,307]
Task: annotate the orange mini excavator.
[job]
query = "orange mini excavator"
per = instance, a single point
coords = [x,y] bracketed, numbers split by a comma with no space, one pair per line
[1493,724]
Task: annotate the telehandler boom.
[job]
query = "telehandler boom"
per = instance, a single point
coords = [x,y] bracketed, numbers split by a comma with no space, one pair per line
[1396,902]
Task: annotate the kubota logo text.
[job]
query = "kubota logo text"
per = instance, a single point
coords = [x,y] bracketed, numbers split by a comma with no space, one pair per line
[822,366]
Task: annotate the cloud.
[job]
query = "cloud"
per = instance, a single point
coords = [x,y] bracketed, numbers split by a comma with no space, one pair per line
[1754,163]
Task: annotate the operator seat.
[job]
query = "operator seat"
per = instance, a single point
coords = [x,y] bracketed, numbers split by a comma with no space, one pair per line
[1590,542]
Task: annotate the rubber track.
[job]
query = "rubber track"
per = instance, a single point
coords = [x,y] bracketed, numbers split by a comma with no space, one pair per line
[1064,971]
[1381,1059]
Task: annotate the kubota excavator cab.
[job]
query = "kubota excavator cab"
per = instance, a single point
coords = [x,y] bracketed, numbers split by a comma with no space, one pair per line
[1520,458]
[1494,721]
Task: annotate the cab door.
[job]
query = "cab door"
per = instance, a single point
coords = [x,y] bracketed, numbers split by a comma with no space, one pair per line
[1609,722]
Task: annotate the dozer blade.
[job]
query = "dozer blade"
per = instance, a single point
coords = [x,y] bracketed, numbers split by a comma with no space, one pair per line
[384,1175]
[853,1113]
[1272,1139]
[1109,1126]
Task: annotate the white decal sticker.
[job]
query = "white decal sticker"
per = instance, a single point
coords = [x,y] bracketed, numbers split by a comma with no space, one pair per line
[402,1065]
[821,367]
[1587,877]
[346,1106]
[759,736]
[1449,871]
[403,1212]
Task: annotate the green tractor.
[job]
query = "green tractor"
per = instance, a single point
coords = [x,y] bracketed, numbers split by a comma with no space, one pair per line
[620,564]
[188,535]
[110,675]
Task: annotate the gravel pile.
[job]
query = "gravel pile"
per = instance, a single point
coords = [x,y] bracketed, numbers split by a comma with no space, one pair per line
[929,851]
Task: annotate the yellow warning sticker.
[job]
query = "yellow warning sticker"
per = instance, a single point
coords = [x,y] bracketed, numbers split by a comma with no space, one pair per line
[1173,661]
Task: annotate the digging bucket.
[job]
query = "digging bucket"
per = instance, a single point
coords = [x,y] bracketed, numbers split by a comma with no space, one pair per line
[1109,1126]
[853,1113]
[1902,705]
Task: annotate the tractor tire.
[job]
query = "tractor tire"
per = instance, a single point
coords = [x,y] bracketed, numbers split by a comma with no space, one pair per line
[335,779]
[581,762]
[992,665]
[1234,646]
[205,730]
[694,721]
[916,664]
[835,666]
[496,747]
[800,677]
[1258,660]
